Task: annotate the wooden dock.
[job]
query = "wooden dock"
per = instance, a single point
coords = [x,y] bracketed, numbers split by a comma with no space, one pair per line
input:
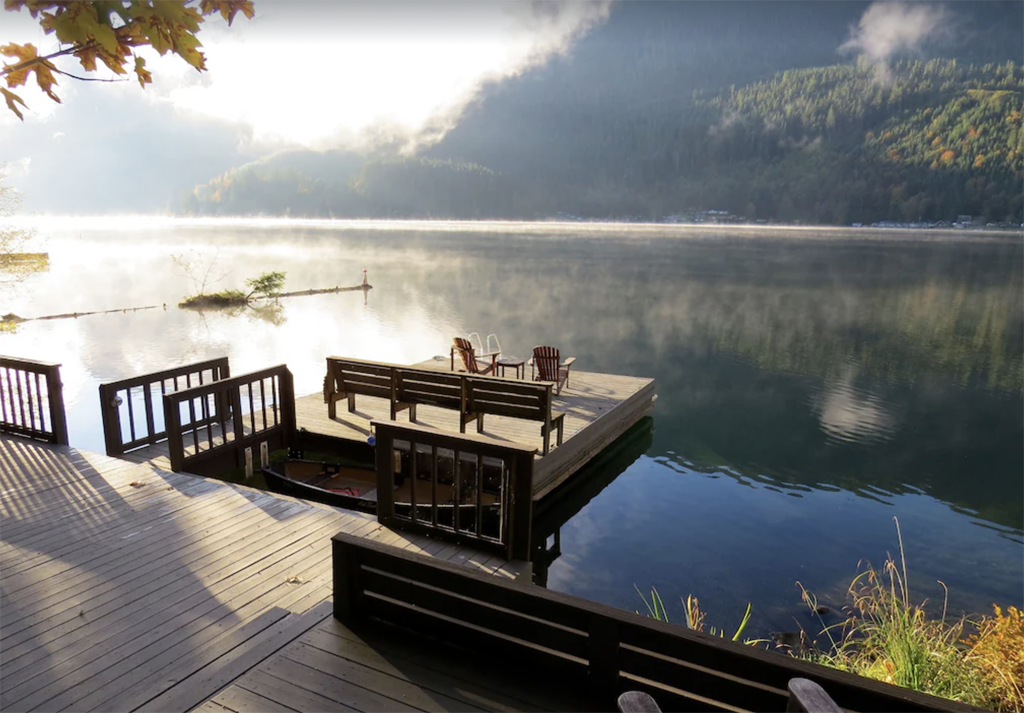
[126,587]
[598,409]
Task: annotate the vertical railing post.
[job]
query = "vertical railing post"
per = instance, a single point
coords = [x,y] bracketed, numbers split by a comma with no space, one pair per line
[172,424]
[110,417]
[55,393]
[234,398]
[520,519]
[603,659]
[385,474]
[287,405]
[348,586]
[330,390]
[220,402]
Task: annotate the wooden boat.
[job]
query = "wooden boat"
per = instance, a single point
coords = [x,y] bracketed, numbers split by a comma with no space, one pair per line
[355,488]
[347,487]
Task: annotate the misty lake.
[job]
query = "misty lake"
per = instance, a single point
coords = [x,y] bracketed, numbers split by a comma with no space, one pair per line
[812,385]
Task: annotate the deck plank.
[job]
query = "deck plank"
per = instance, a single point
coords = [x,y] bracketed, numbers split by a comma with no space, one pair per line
[120,597]
[335,667]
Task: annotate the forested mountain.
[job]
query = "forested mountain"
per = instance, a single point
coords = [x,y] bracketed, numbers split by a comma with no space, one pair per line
[671,108]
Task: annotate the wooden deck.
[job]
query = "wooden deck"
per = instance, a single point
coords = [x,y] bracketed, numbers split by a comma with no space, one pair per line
[598,409]
[379,668]
[127,587]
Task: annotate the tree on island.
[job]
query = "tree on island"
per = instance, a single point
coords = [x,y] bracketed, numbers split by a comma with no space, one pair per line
[200,271]
[109,32]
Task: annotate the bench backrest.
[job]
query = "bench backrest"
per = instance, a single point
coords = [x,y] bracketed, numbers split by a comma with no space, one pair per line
[433,388]
[467,394]
[350,376]
[503,397]
[589,646]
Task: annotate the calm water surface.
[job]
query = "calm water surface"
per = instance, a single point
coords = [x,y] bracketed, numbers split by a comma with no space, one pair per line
[812,386]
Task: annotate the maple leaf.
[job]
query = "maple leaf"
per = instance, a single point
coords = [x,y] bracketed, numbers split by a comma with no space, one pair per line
[87,56]
[143,74]
[24,54]
[227,8]
[12,101]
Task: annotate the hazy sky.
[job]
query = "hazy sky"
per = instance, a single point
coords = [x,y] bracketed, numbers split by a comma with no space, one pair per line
[317,74]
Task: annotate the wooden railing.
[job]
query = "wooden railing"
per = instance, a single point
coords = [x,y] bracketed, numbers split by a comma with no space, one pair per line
[216,425]
[135,407]
[32,400]
[550,637]
[462,487]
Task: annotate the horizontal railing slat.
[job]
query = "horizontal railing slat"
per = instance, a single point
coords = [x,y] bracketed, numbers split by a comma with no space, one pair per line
[507,595]
[703,680]
[423,436]
[198,391]
[168,374]
[480,613]
[450,628]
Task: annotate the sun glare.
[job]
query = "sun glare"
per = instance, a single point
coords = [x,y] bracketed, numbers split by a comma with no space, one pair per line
[396,70]
[324,74]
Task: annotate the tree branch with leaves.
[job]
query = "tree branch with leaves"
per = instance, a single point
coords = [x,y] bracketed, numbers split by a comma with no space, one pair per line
[108,32]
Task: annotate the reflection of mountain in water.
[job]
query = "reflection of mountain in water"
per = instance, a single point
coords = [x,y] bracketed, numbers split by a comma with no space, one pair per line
[562,505]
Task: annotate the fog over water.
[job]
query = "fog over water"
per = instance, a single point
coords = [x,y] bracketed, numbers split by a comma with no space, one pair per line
[812,385]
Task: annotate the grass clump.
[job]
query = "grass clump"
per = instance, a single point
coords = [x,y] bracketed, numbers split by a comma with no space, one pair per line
[694,615]
[888,637]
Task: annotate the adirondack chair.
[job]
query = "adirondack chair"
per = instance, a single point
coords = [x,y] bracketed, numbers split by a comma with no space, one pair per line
[546,366]
[805,696]
[473,364]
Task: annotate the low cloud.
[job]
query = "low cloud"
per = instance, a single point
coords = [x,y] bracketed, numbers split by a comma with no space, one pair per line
[889,28]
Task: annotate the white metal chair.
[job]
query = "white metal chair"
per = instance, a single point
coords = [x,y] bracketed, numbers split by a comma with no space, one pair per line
[491,348]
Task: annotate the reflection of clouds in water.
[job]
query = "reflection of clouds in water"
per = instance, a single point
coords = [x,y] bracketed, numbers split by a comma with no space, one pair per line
[852,414]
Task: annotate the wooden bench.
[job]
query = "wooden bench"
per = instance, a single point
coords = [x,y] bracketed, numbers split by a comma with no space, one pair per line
[472,396]
[348,377]
[515,399]
[596,649]
[430,388]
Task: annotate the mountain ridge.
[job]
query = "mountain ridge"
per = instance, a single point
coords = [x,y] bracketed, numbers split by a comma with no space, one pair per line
[675,108]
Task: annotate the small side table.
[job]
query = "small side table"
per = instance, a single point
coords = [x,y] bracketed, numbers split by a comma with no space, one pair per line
[512,363]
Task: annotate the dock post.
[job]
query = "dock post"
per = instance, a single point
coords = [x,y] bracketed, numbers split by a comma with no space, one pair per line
[522,507]
[55,394]
[288,406]
[111,421]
